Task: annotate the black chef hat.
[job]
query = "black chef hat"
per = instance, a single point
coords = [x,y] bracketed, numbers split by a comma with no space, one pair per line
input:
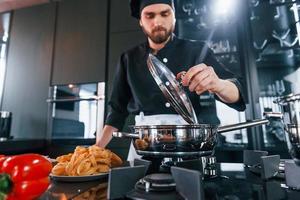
[137,6]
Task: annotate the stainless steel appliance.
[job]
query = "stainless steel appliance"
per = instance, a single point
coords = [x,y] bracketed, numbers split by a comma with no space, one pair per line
[290,106]
[76,110]
[5,124]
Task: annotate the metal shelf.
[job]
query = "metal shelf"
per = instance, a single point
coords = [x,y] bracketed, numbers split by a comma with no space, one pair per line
[97,98]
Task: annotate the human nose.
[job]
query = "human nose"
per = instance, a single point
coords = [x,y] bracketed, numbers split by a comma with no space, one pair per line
[157,21]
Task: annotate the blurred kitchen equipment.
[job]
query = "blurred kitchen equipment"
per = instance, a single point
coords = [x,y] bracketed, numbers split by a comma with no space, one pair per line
[293,80]
[5,124]
[293,141]
[280,88]
[290,106]
[188,7]
[76,110]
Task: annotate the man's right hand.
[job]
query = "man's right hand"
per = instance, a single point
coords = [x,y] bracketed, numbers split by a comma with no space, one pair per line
[103,137]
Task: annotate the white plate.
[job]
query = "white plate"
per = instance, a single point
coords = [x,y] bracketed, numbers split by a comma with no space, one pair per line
[78,178]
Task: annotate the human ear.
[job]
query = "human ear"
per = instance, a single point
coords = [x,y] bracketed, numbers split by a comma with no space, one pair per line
[141,23]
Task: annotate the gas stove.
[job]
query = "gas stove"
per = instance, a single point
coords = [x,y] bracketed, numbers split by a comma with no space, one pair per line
[171,173]
[174,179]
[204,178]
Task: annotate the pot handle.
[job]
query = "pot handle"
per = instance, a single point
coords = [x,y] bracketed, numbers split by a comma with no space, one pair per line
[233,127]
[125,135]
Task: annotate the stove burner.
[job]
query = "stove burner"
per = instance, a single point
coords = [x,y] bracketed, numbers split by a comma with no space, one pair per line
[156,182]
[207,165]
[159,178]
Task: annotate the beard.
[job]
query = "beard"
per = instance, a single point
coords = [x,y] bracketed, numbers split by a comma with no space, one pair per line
[159,34]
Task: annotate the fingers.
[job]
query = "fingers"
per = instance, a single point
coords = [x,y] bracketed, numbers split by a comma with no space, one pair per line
[197,80]
[205,85]
[180,75]
[191,73]
[200,78]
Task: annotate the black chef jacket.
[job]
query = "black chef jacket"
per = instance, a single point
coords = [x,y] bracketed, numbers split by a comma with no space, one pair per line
[135,90]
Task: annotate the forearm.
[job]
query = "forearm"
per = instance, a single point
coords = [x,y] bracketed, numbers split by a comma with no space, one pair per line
[229,92]
[102,139]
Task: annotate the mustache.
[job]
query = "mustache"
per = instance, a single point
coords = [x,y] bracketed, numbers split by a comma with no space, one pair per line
[159,28]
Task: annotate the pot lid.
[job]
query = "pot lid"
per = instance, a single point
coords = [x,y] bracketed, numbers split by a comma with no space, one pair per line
[171,89]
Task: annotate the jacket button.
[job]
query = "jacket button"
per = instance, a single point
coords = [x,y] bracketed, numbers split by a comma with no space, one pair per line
[165,60]
[167,104]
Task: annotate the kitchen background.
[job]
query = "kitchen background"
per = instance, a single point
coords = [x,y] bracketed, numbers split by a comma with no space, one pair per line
[58,59]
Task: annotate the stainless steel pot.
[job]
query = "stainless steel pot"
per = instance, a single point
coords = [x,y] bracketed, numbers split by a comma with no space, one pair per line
[293,141]
[290,107]
[180,140]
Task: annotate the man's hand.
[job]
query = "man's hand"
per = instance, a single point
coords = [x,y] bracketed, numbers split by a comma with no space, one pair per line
[201,78]
[104,136]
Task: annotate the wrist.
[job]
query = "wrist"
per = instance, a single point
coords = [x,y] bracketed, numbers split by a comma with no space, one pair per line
[221,85]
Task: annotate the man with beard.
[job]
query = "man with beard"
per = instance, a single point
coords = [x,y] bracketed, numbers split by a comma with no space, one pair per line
[135,91]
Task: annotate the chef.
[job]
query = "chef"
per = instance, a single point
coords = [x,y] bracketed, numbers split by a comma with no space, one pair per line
[135,90]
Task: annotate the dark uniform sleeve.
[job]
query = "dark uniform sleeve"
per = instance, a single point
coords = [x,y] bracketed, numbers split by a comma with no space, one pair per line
[119,98]
[225,73]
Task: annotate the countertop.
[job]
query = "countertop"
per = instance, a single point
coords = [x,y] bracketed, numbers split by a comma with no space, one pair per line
[20,145]
[235,182]
[57,147]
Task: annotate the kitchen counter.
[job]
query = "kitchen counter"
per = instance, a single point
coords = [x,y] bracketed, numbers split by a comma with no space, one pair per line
[57,147]
[30,145]
[235,182]
[19,145]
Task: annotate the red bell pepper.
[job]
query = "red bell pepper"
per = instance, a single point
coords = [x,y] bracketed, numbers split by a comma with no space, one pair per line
[23,176]
[2,159]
